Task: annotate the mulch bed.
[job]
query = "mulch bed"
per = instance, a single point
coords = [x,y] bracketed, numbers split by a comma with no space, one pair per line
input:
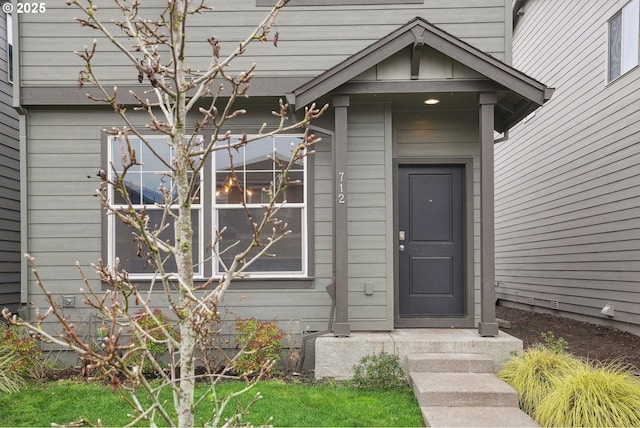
[587,340]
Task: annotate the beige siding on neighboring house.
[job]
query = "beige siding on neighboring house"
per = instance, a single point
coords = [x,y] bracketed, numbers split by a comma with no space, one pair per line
[312,39]
[567,200]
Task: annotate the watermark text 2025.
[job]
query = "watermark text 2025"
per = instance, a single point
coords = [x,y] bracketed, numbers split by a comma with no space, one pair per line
[26,7]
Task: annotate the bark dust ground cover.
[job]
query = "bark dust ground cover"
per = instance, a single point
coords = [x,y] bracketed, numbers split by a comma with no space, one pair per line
[586,340]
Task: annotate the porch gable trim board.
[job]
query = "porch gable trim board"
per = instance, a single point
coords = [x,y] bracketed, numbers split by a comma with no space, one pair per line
[417,33]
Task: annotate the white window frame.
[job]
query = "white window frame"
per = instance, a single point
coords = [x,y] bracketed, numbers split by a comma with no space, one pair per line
[9,23]
[111,222]
[630,39]
[303,206]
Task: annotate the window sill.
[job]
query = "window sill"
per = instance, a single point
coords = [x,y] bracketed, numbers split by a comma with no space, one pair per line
[271,283]
[626,73]
[246,284]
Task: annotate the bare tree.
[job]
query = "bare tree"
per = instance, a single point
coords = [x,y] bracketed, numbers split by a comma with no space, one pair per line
[175,94]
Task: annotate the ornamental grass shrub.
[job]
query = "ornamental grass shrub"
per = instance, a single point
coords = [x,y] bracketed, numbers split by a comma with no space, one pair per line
[531,374]
[10,380]
[560,390]
[591,395]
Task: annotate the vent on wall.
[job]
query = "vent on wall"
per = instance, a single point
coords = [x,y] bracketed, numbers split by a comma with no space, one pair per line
[530,301]
[554,304]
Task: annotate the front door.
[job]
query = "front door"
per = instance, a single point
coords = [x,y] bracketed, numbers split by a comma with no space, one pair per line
[431,241]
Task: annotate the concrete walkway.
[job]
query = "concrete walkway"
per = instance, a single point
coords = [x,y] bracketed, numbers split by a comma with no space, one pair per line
[452,372]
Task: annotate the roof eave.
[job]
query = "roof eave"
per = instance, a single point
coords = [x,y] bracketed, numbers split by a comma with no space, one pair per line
[420,31]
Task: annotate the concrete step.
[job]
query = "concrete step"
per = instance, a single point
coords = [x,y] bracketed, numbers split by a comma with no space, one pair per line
[462,390]
[448,363]
[476,417]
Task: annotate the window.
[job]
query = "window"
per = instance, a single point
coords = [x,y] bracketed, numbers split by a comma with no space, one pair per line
[254,171]
[9,47]
[624,34]
[147,185]
[244,176]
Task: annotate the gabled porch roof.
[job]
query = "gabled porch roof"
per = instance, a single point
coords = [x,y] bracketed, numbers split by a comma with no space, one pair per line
[518,94]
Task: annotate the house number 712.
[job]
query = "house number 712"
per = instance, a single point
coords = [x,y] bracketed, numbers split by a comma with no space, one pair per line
[341,197]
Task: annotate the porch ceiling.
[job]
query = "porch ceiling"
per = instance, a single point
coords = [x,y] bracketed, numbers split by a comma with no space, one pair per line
[401,101]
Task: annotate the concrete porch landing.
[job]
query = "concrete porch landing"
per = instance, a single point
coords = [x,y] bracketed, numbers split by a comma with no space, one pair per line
[335,357]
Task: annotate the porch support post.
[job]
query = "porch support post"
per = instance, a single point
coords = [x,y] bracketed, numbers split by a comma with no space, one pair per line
[488,325]
[341,326]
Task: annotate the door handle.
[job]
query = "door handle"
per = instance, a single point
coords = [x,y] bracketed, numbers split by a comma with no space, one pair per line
[401,247]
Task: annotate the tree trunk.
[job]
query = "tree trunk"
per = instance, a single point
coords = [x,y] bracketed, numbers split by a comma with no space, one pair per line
[183,226]
[184,261]
[187,371]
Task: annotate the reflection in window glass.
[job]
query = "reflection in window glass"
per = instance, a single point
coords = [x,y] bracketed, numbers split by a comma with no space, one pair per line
[254,171]
[243,176]
[127,248]
[623,40]
[147,185]
[615,46]
[9,47]
[287,253]
[249,178]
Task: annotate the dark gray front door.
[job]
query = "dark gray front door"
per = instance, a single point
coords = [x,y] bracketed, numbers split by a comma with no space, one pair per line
[430,238]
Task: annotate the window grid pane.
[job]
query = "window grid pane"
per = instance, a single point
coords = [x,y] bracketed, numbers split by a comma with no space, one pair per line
[255,170]
[615,46]
[287,255]
[146,185]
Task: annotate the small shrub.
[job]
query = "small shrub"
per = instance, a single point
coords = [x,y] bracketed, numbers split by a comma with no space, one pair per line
[17,341]
[560,345]
[259,342]
[379,372]
[156,329]
[530,374]
[589,395]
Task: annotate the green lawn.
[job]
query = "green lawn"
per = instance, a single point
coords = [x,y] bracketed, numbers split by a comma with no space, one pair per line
[290,404]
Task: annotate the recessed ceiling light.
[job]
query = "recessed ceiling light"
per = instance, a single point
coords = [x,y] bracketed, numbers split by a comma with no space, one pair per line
[431,101]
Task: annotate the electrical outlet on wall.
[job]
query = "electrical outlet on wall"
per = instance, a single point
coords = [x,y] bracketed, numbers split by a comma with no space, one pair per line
[368,288]
[68,301]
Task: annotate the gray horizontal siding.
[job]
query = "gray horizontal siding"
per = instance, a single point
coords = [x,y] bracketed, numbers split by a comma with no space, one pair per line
[10,257]
[65,218]
[64,155]
[567,206]
[368,199]
[311,39]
